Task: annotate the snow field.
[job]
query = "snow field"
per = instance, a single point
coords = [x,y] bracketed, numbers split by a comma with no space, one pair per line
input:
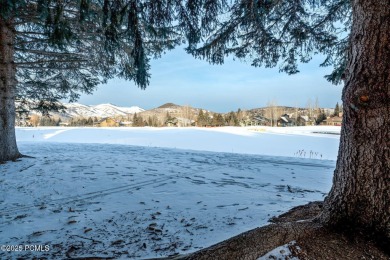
[85,195]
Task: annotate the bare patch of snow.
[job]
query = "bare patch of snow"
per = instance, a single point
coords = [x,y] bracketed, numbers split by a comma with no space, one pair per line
[281,253]
[48,136]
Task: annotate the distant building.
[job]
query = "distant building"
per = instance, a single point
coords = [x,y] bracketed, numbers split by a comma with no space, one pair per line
[304,121]
[256,121]
[182,122]
[286,120]
[107,122]
[126,123]
[172,122]
[335,120]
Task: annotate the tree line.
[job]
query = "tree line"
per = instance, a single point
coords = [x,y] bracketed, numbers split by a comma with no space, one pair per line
[204,118]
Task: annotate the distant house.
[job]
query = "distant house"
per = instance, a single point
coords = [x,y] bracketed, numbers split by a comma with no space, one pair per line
[126,123]
[260,120]
[181,121]
[107,122]
[172,122]
[304,121]
[335,120]
[256,120]
[286,120]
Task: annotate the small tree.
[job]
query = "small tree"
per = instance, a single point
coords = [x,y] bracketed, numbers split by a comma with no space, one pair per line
[89,121]
[217,120]
[231,119]
[272,112]
[320,117]
[138,120]
[206,119]
[168,119]
[336,109]
[201,121]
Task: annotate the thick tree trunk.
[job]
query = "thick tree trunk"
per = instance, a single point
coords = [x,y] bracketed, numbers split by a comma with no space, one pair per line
[360,197]
[8,147]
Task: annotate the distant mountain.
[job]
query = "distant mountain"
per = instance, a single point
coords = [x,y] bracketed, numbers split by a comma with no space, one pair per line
[102,110]
[170,105]
[173,110]
[184,115]
[106,110]
[76,110]
[166,114]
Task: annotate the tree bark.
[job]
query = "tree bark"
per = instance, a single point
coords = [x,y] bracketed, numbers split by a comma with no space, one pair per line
[8,147]
[360,197]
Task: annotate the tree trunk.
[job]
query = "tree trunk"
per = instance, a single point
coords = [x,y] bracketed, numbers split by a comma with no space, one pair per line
[360,197]
[8,147]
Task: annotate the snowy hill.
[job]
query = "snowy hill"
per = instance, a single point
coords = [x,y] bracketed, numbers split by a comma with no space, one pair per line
[74,110]
[174,110]
[106,110]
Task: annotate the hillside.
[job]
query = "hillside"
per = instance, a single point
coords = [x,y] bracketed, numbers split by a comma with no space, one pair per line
[76,110]
[276,112]
[173,110]
[168,114]
[102,110]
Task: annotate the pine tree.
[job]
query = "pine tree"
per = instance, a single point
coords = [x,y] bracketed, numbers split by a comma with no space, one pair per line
[138,120]
[201,118]
[168,119]
[240,115]
[231,119]
[217,120]
[206,119]
[53,50]
[336,109]
[320,117]
[220,120]
[89,121]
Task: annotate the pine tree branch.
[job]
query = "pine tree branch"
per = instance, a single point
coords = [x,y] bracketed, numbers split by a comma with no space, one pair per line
[48,61]
[47,53]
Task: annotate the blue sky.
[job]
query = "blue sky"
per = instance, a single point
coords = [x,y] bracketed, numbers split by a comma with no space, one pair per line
[179,78]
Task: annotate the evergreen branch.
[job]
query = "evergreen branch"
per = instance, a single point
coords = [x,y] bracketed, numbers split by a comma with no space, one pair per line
[47,53]
[48,61]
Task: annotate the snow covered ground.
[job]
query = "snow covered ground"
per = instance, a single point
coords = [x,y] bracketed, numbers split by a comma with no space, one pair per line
[316,142]
[146,192]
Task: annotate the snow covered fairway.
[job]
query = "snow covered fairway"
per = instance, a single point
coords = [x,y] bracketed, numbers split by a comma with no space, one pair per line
[319,142]
[92,192]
